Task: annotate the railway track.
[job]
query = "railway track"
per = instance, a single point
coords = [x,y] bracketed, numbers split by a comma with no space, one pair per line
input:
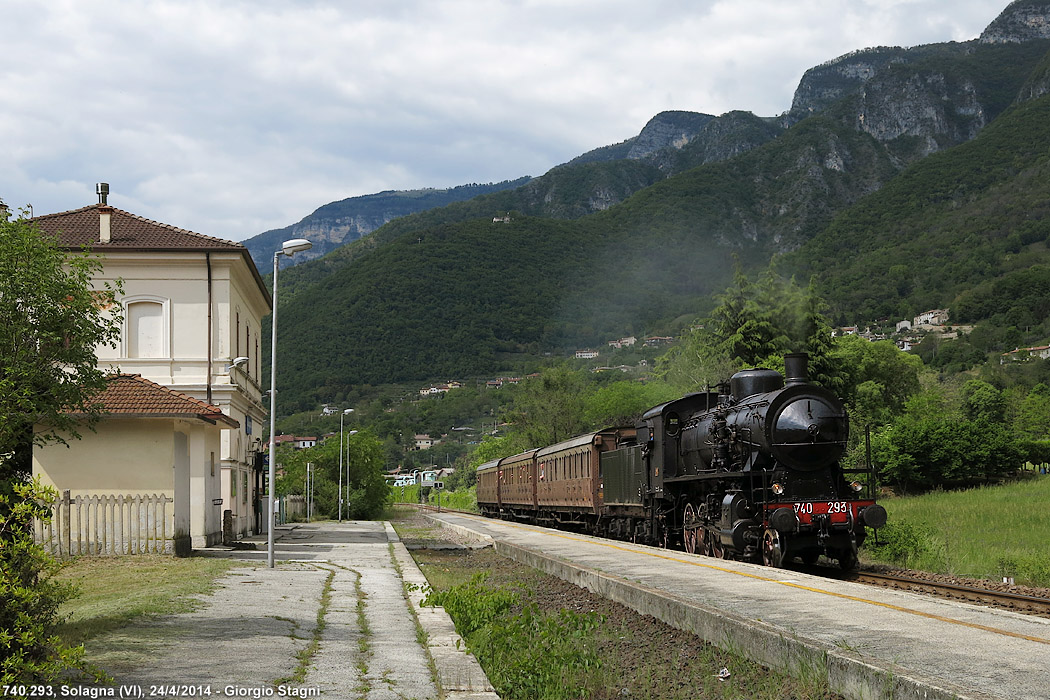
[1032,605]
[1018,602]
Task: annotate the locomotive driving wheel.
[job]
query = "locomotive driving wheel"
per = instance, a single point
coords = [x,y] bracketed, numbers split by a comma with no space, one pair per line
[772,552]
[690,528]
[713,545]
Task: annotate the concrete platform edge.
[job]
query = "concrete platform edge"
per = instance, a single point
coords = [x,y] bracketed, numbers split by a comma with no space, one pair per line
[847,673]
[460,530]
[459,673]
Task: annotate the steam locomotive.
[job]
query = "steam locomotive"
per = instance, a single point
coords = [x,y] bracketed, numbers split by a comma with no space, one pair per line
[749,472]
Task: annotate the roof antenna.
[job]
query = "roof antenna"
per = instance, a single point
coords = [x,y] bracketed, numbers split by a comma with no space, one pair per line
[102,189]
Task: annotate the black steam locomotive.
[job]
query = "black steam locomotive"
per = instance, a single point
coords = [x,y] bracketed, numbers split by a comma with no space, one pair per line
[749,472]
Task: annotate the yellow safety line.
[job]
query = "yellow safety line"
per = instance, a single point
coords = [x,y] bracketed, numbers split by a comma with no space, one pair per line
[789,584]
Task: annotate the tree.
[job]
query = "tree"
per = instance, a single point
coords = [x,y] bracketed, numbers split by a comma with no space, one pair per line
[931,446]
[51,322]
[364,488]
[754,325]
[875,379]
[1033,415]
[549,408]
[622,403]
[983,401]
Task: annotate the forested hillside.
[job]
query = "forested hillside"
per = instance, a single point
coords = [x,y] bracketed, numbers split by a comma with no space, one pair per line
[952,223]
[338,223]
[845,188]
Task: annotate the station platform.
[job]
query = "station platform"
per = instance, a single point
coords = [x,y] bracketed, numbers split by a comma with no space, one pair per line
[871,642]
[259,633]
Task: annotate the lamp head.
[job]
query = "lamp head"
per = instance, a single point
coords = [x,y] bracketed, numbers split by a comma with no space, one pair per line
[295,245]
[237,362]
[349,410]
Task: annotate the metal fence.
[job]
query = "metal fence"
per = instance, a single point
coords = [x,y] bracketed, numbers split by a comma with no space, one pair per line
[110,524]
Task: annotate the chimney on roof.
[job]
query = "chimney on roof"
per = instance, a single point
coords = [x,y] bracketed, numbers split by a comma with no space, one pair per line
[104,212]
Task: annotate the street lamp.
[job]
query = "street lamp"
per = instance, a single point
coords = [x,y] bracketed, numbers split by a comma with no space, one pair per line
[348,434]
[348,410]
[288,248]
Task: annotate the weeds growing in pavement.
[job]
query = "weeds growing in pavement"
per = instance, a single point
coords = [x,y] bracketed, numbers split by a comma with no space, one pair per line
[306,654]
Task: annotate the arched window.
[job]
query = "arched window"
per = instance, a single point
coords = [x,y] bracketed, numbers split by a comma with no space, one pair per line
[146,327]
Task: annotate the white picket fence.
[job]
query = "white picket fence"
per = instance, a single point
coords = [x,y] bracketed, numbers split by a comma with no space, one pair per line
[109,524]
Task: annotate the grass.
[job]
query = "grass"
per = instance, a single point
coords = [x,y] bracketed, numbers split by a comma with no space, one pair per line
[989,532]
[114,591]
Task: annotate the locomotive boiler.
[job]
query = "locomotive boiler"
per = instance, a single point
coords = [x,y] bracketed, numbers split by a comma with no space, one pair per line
[750,472]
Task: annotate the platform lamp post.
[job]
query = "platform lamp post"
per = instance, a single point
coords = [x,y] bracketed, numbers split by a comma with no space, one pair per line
[348,434]
[345,411]
[288,248]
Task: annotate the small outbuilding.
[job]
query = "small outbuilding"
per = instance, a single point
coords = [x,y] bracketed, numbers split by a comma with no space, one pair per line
[154,444]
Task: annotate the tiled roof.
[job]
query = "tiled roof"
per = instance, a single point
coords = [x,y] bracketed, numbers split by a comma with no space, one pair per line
[131,394]
[80,227]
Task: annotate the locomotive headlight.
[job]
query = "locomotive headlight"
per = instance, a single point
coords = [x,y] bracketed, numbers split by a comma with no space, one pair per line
[856,486]
[778,489]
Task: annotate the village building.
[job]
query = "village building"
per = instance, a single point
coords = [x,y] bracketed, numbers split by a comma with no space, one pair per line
[655,341]
[425,442]
[1041,352]
[626,342]
[193,307]
[934,317]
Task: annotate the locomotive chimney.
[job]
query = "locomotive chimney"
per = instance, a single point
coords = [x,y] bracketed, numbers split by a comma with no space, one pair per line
[796,368]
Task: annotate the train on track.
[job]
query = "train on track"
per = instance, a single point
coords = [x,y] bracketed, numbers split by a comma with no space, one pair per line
[749,472]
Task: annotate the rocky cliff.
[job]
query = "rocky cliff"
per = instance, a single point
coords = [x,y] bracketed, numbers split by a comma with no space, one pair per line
[1022,20]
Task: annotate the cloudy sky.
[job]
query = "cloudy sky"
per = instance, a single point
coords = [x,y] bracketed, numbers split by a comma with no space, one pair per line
[232,117]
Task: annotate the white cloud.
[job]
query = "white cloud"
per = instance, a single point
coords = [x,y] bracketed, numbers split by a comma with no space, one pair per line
[232,118]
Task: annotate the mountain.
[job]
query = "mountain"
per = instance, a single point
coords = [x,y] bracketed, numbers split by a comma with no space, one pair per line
[878,146]
[339,223]
[670,142]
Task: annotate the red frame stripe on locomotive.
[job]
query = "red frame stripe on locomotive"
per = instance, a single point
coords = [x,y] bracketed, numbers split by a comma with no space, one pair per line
[838,509]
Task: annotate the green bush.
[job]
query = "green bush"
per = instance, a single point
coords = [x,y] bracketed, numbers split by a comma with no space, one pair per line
[31,653]
[901,543]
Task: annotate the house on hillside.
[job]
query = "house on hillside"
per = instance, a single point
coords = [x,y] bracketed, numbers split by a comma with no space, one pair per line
[625,342]
[193,307]
[586,354]
[1041,352]
[934,317]
[425,442]
[153,441]
[655,341]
